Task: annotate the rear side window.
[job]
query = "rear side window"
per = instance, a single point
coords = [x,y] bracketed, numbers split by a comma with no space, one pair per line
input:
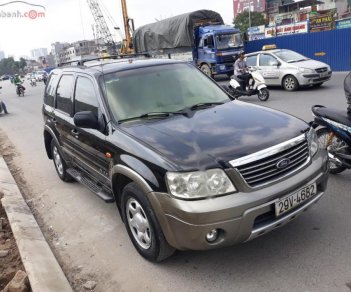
[251,60]
[49,96]
[85,98]
[64,94]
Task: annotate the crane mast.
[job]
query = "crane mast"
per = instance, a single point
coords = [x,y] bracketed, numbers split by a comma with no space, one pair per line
[128,28]
[101,27]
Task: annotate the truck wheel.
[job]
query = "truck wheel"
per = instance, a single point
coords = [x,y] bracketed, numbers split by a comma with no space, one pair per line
[206,69]
[59,162]
[290,83]
[142,226]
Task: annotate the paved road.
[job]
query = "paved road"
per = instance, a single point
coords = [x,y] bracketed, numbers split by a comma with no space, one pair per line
[310,254]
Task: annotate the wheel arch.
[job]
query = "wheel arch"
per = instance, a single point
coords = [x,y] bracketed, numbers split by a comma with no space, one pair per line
[122,175]
[48,137]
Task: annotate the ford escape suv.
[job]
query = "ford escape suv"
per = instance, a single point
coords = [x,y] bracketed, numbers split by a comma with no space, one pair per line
[188,166]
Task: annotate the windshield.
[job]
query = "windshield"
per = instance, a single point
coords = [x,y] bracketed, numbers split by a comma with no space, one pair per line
[164,88]
[290,56]
[226,41]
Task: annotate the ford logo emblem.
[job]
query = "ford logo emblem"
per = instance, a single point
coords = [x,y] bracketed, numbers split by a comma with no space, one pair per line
[282,163]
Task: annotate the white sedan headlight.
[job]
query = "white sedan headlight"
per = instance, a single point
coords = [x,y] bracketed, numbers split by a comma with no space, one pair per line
[312,141]
[199,184]
[306,70]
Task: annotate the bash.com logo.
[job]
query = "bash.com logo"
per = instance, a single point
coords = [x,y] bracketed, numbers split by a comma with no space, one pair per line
[21,9]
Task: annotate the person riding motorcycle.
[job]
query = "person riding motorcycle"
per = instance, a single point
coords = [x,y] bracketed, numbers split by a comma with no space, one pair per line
[347,89]
[18,83]
[240,70]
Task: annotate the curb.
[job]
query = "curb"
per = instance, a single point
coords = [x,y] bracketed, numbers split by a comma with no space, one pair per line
[44,272]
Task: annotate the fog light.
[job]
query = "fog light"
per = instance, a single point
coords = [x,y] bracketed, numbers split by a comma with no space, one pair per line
[212,235]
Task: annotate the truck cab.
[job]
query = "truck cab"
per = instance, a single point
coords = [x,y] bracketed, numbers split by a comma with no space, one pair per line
[216,47]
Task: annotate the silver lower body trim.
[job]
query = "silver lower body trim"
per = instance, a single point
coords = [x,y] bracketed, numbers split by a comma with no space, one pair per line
[284,220]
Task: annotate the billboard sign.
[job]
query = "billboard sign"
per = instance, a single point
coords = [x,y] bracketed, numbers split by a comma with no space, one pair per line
[244,5]
[345,23]
[297,27]
[323,22]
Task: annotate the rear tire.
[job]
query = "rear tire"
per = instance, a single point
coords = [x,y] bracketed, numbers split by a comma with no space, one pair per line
[323,137]
[263,94]
[142,226]
[59,162]
[290,83]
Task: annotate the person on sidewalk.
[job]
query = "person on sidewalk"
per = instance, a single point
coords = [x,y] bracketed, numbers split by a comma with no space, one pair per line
[3,107]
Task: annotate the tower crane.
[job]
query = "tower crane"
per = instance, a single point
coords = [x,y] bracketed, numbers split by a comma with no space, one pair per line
[104,32]
[101,27]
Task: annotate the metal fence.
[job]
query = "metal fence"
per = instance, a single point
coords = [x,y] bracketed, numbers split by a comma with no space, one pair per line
[332,47]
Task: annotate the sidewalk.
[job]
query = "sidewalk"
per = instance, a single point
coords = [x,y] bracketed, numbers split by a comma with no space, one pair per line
[44,272]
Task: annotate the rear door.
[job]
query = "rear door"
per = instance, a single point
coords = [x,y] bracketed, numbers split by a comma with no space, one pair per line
[62,116]
[90,152]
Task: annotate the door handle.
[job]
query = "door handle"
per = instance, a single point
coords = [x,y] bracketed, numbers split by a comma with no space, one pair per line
[75,133]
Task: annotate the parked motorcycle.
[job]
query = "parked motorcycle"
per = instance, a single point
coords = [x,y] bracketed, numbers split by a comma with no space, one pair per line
[334,136]
[256,86]
[20,89]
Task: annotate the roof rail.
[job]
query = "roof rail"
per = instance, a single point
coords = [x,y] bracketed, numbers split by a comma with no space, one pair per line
[113,57]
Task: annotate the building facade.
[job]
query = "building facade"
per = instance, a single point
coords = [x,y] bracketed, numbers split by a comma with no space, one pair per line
[2,55]
[78,51]
[37,53]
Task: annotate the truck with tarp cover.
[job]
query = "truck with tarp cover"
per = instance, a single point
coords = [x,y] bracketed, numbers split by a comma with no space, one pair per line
[200,37]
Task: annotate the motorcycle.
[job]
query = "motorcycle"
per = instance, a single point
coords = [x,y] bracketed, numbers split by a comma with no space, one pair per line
[256,86]
[20,89]
[33,82]
[334,136]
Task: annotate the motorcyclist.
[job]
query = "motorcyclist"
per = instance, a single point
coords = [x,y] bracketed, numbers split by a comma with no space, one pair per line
[347,89]
[18,83]
[241,70]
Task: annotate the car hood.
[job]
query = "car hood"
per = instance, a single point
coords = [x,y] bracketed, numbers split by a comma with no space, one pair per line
[310,64]
[213,136]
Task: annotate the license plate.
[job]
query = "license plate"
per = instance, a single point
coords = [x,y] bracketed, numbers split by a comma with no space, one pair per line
[290,202]
[324,74]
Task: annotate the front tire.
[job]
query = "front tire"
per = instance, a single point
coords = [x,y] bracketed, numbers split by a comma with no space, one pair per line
[290,83]
[59,162]
[327,142]
[142,226]
[206,69]
[263,94]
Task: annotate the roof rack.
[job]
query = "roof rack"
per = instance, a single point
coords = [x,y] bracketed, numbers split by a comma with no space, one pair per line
[113,57]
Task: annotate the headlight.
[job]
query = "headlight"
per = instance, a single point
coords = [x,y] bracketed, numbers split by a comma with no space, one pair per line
[306,70]
[199,184]
[222,67]
[312,141]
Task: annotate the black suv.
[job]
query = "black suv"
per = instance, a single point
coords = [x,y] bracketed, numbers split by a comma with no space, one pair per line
[188,166]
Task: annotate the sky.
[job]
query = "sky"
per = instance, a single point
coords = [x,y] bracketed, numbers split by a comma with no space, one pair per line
[44,22]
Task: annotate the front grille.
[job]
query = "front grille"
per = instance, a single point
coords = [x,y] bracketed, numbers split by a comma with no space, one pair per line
[321,70]
[265,170]
[228,59]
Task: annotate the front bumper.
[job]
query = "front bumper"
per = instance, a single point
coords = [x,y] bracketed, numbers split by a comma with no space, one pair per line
[313,78]
[239,217]
[223,68]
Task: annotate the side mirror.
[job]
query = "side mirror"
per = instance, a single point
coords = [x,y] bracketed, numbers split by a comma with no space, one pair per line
[87,120]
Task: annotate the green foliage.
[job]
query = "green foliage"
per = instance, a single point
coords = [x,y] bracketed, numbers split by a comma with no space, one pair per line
[10,66]
[241,21]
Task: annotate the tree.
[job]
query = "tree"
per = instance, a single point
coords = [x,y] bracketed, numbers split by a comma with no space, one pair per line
[241,21]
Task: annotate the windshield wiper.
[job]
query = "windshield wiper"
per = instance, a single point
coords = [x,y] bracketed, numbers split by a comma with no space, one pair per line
[204,105]
[153,115]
